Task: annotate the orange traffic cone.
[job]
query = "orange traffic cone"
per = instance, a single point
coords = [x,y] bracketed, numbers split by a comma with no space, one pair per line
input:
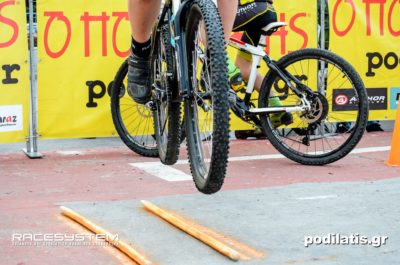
[394,157]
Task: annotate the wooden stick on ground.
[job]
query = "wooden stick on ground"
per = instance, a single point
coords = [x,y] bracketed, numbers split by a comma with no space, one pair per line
[122,246]
[193,231]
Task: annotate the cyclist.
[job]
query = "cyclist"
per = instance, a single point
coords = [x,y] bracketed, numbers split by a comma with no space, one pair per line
[142,16]
[252,16]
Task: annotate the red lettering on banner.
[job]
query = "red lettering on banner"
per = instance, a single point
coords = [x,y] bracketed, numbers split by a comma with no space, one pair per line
[298,30]
[334,17]
[60,17]
[368,4]
[390,19]
[120,16]
[10,23]
[282,33]
[86,18]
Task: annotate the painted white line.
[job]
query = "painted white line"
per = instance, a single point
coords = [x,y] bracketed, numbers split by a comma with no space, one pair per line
[171,174]
[258,157]
[70,153]
[162,171]
[370,149]
[322,197]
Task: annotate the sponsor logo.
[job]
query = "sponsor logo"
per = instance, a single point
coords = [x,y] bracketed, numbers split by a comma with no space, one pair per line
[8,120]
[11,118]
[347,100]
[394,97]
[341,100]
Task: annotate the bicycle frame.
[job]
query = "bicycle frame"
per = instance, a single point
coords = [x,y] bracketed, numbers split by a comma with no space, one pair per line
[258,53]
[177,11]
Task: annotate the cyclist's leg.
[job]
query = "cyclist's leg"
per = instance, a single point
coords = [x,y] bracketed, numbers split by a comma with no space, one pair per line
[227,10]
[250,19]
[142,16]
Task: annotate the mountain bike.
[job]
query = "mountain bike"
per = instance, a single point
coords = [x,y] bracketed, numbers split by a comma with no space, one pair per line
[319,89]
[189,65]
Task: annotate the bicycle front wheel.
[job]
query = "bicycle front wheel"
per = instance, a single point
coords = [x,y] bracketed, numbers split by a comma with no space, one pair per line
[133,122]
[336,121]
[167,116]
[207,110]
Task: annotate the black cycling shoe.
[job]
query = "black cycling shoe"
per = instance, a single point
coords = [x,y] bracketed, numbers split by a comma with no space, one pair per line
[139,87]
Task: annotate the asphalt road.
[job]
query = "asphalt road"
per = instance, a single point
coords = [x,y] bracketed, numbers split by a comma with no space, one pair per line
[268,203]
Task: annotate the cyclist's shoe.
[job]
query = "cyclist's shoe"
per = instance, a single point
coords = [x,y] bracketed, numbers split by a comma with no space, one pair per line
[139,87]
[236,79]
[279,119]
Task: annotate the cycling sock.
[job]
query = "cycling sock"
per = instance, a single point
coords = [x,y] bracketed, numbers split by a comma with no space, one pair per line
[278,119]
[231,66]
[139,49]
[235,77]
[275,101]
[275,117]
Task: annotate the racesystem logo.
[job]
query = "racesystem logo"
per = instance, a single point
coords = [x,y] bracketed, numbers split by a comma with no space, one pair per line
[61,239]
[8,120]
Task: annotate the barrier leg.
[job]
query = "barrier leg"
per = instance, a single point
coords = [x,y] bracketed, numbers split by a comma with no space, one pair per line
[31,144]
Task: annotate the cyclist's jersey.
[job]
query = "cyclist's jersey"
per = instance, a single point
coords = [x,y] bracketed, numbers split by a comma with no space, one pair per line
[252,17]
[245,2]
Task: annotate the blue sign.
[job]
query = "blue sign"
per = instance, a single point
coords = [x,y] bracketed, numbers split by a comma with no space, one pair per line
[394,97]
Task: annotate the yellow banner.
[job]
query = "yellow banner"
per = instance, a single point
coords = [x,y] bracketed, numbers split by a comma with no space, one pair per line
[367,34]
[14,75]
[81,45]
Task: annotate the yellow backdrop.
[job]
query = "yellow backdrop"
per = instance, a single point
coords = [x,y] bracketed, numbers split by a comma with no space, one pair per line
[367,34]
[14,75]
[81,45]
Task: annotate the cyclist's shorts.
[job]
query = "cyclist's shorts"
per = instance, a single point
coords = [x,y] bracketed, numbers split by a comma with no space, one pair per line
[251,18]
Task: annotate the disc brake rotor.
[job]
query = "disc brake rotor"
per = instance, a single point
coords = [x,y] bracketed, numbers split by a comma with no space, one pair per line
[319,109]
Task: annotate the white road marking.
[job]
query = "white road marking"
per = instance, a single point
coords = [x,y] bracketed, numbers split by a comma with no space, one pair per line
[322,197]
[370,149]
[171,174]
[162,171]
[70,153]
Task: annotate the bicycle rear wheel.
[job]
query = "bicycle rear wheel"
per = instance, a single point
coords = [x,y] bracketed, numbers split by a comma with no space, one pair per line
[207,110]
[339,96]
[133,122]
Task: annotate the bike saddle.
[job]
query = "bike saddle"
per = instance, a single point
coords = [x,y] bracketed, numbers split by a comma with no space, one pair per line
[272,27]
